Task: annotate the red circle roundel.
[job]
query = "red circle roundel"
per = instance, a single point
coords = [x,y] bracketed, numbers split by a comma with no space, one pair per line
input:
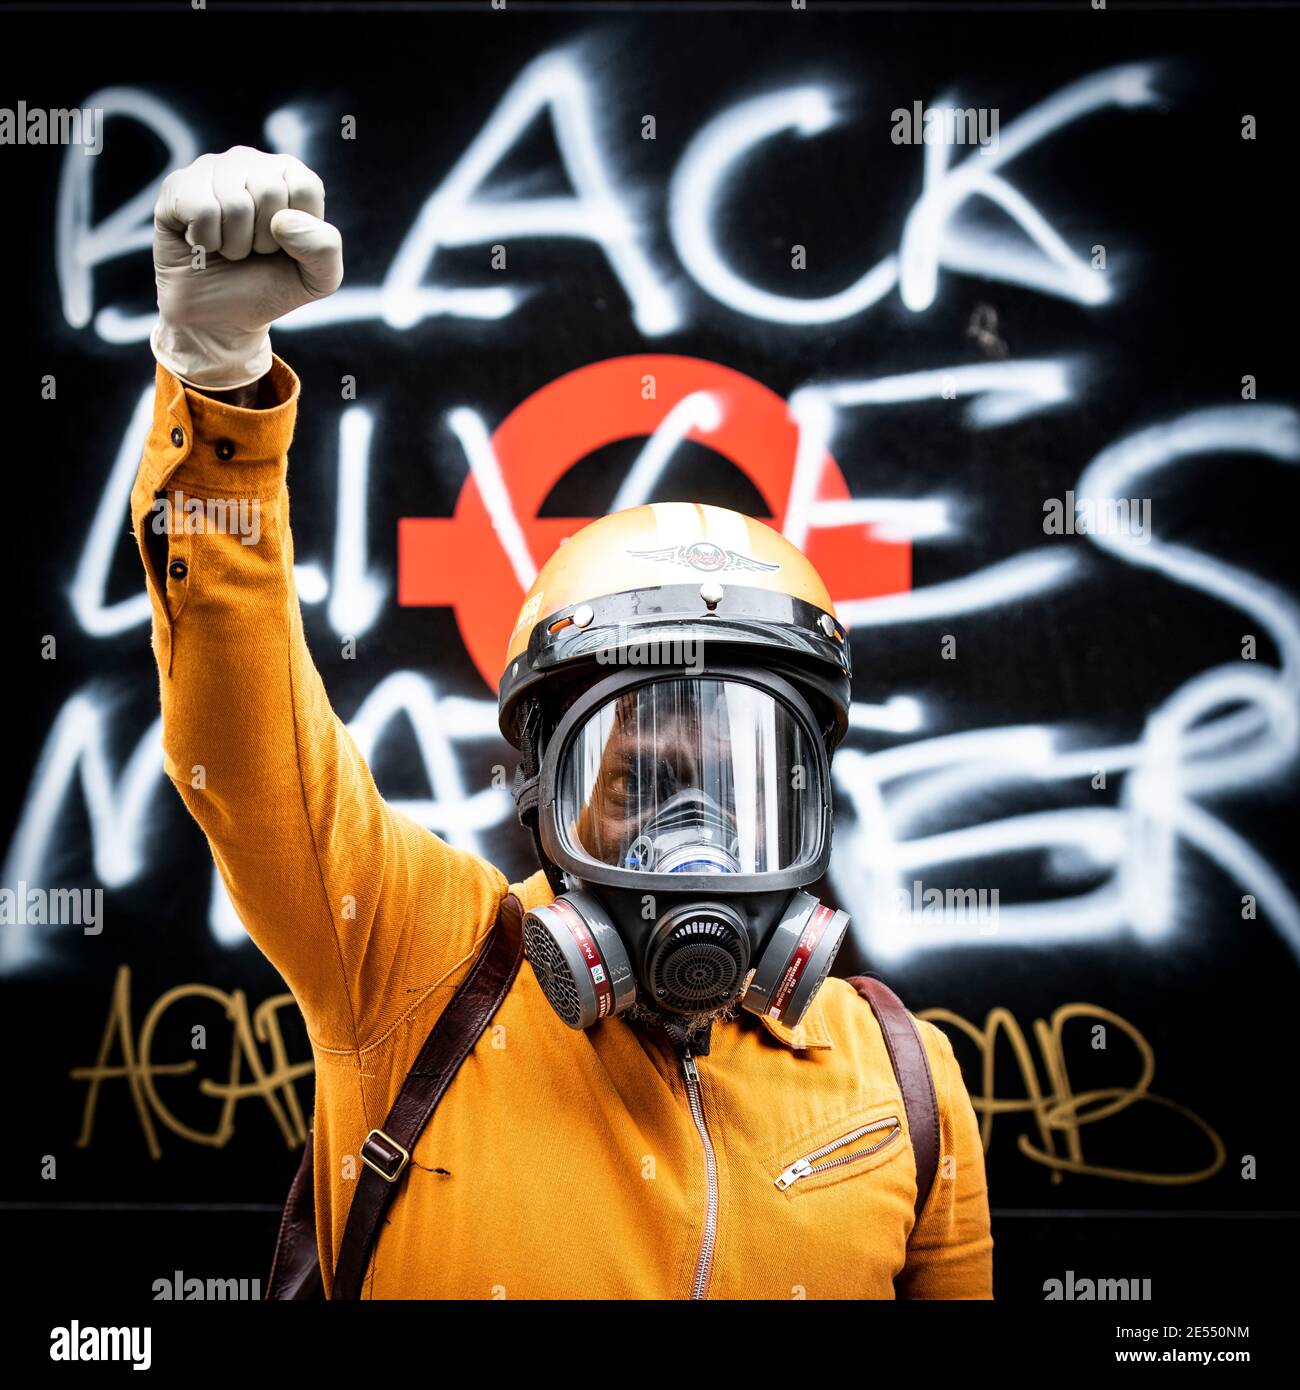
[460,562]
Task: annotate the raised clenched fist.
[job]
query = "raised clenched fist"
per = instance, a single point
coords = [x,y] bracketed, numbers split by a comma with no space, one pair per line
[265,250]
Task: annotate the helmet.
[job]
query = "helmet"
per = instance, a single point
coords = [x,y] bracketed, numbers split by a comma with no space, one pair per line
[671,573]
[676,683]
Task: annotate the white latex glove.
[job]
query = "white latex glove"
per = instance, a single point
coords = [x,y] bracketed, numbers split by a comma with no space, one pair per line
[259,218]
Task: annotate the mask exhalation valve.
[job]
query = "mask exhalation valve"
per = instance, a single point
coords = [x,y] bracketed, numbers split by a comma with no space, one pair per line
[697,958]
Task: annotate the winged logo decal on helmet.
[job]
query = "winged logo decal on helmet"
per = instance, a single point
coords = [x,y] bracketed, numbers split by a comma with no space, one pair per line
[704,555]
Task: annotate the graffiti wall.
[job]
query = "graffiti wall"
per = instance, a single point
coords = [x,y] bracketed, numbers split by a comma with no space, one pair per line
[1024,392]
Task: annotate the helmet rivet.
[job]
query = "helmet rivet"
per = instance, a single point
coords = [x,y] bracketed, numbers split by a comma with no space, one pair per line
[827,624]
[582,617]
[711,592]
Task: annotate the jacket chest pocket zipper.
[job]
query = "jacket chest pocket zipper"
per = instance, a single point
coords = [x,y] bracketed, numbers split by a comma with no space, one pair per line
[818,1162]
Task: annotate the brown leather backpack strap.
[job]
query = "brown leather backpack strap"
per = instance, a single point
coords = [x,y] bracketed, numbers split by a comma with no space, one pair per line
[912,1068]
[295,1270]
[386,1152]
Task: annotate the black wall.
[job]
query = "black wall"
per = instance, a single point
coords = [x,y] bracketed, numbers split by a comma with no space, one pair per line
[1073,721]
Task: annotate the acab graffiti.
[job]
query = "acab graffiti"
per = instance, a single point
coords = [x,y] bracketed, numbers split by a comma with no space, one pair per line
[1060,1114]
[271,1080]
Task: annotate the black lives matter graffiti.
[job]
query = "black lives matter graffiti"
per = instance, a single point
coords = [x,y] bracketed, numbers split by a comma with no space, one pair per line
[1013,390]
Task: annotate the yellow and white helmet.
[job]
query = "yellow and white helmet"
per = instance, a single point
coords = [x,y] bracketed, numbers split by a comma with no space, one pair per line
[675,577]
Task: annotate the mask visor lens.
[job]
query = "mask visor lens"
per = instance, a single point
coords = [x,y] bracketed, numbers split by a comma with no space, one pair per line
[692,775]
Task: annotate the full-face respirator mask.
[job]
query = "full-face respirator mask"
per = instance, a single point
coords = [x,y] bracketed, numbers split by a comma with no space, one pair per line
[686,814]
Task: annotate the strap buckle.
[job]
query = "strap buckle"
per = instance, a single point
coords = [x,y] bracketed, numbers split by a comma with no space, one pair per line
[388,1152]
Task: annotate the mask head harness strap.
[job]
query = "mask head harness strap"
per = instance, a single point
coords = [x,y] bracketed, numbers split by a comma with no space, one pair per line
[526,787]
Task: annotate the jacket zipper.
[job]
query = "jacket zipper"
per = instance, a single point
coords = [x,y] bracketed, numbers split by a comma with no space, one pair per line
[707,1242]
[805,1167]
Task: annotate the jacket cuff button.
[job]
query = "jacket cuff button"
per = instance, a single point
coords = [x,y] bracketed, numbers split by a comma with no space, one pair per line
[225,450]
[178,569]
[178,436]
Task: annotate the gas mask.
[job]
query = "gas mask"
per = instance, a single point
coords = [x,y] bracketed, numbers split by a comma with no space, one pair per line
[686,813]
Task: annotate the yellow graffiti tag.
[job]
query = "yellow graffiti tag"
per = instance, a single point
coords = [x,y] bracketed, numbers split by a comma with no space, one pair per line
[1058,1112]
[274,1084]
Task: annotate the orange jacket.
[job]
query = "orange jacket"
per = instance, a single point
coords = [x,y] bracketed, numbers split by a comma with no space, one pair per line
[560,1164]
